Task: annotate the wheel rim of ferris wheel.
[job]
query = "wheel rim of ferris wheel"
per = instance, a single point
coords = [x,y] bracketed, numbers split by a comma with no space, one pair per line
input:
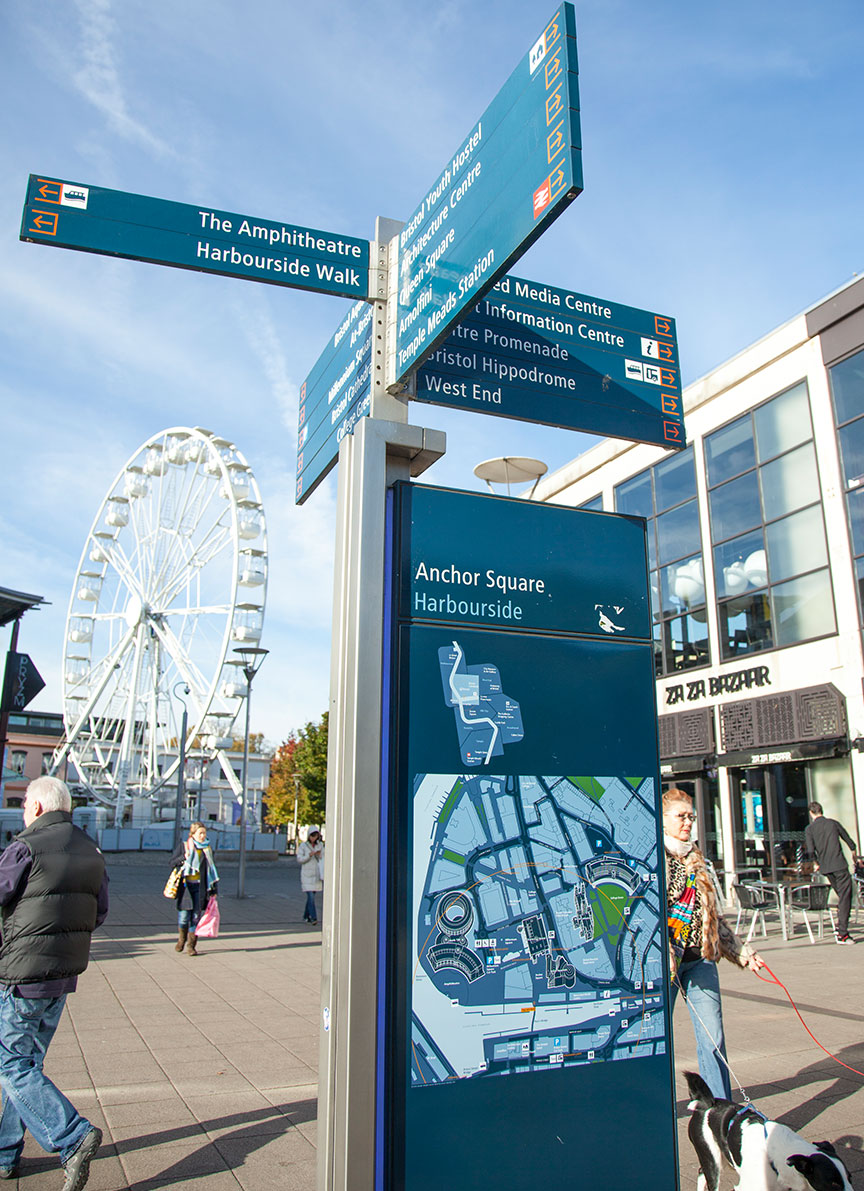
[173,573]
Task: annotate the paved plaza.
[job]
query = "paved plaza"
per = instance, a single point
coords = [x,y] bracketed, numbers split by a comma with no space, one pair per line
[202,1071]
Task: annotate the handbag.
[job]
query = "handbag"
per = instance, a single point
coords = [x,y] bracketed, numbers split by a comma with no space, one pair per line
[208,924]
[173,883]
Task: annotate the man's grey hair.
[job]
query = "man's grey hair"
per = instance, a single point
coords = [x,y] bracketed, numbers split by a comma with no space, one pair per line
[52,794]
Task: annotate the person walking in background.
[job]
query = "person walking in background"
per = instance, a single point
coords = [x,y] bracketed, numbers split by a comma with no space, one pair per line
[310,854]
[53,895]
[822,839]
[698,936]
[198,881]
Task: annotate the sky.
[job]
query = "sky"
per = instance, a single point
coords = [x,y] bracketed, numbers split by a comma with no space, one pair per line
[723,165]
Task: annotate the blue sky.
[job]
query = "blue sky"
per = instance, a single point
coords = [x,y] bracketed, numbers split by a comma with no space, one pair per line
[723,180]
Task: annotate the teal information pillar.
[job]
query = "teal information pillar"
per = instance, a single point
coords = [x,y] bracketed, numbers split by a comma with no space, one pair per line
[524,1028]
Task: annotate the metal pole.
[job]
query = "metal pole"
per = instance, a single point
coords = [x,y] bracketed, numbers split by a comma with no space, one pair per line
[296,801]
[252,656]
[200,798]
[241,874]
[377,453]
[178,806]
[4,715]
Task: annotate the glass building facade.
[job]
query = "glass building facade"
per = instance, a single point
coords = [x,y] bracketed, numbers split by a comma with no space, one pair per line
[847,389]
[756,559]
[767,528]
[666,496]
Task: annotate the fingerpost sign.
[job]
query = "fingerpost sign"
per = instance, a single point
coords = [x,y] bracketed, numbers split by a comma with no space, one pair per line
[514,173]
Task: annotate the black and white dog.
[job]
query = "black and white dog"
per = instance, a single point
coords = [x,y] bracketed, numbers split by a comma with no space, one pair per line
[766,1155]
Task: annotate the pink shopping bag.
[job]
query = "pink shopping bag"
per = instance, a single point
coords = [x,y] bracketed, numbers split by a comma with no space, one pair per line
[208,923]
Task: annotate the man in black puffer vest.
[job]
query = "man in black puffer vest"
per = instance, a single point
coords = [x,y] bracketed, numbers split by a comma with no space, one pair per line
[53,895]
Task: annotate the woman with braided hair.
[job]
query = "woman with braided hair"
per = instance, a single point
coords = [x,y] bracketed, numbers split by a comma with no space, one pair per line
[698,936]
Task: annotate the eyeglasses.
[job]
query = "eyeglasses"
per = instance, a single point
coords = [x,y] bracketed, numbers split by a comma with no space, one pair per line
[691,818]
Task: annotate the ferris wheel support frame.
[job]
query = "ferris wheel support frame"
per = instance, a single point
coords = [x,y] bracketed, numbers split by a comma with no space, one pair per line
[61,754]
[124,763]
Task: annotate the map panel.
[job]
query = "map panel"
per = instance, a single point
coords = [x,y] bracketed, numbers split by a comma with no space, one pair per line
[486,718]
[537,930]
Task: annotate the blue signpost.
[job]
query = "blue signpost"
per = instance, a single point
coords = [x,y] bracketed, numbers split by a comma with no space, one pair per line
[524,991]
[116,223]
[332,398]
[514,173]
[548,355]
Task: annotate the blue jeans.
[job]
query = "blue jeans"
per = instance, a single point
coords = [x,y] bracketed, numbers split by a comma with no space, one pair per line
[311,911]
[30,1099]
[189,918]
[701,986]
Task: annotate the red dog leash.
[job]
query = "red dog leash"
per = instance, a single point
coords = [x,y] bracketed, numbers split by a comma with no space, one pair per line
[780,984]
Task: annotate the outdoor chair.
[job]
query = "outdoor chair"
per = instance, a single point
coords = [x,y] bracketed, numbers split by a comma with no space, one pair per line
[858,880]
[753,900]
[810,899]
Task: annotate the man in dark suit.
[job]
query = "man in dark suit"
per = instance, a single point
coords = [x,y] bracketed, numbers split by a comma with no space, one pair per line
[822,839]
[53,895]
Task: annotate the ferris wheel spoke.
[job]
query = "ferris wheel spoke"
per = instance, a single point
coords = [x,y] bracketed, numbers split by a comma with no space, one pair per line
[178,559]
[117,558]
[209,608]
[124,757]
[198,560]
[144,533]
[186,668]
[108,665]
[204,486]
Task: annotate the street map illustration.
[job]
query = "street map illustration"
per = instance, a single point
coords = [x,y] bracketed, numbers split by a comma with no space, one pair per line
[486,718]
[537,930]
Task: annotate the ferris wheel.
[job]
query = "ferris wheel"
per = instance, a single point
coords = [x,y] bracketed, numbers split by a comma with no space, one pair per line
[172,576]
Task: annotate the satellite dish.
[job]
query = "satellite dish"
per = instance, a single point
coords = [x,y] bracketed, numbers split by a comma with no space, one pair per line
[511,469]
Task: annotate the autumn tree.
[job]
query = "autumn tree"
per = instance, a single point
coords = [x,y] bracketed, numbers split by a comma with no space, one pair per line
[311,762]
[281,791]
[299,769]
[256,743]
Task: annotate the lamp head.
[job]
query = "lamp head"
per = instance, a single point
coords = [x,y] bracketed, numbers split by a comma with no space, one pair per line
[252,657]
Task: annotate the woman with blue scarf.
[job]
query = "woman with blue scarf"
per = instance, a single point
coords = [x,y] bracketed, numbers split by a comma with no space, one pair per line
[198,879]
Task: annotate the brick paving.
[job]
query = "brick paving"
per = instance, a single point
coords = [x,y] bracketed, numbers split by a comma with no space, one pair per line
[202,1072]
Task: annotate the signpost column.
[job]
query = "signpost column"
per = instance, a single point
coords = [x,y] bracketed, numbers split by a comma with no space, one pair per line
[378,453]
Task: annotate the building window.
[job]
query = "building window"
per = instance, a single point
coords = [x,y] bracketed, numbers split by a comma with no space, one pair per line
[666,496]
[847,387]
[18,761]
[595,505]
[767,528]
[47,758]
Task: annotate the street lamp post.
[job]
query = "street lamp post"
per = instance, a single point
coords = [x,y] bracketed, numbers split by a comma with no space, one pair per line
[296,800]
[252,657]
[178,806]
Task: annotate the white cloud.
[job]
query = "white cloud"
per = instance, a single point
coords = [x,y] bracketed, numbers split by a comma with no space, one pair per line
[261,335]
[99,78]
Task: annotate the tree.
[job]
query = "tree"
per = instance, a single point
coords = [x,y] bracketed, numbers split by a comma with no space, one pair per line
[311,763]
[281,790]
[303,756]
[256,743]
